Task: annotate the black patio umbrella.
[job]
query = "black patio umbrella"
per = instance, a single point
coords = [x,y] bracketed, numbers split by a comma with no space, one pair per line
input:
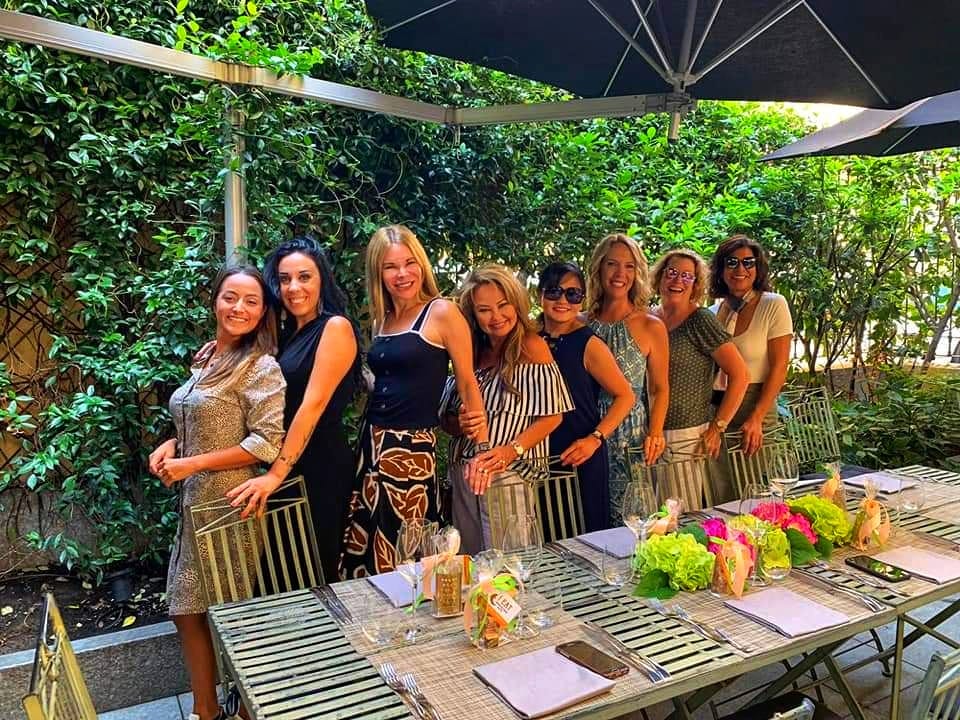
[924,125]
[871,53]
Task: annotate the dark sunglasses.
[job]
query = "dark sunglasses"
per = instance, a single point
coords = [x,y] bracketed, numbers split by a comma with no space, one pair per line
[575,296]
[749,263]
[685,277]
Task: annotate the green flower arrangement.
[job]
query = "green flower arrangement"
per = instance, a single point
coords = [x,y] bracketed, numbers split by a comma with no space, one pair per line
[829,522]
[775,546]
[672,562]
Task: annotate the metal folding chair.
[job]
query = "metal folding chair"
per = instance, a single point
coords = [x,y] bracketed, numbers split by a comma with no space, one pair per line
[243,558]
[747,469]
[810,424]
[682,471]
[940,690]
[509,496]
[57,689]
[558,502]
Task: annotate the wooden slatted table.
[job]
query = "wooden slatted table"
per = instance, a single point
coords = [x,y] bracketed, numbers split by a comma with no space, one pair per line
[291,660]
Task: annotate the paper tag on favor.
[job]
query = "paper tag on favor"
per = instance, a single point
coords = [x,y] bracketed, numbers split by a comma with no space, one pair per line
[502,608]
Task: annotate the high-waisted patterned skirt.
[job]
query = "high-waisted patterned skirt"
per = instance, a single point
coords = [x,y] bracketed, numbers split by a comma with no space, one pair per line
[396,481]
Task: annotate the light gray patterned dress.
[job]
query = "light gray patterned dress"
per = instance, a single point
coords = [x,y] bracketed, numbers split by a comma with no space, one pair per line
[248,413]
[632,431]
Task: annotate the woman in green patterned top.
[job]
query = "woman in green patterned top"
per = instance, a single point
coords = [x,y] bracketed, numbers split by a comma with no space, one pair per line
[698,344]
[617,296]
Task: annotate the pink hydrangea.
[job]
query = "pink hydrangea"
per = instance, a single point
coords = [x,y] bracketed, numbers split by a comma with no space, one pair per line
[801,523]
[714,527]
[772,512]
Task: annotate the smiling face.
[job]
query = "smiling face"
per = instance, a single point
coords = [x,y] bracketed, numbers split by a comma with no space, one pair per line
[300,286]
[618,272]
[739,279]
[400,273]
[239,306]
[495,316]
[562,310]
[677,281]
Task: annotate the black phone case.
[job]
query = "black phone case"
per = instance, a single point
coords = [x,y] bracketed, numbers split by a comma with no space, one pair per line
[618,667]
[880,575]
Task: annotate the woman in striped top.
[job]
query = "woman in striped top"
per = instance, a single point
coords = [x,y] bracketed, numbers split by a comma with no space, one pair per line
[523,393]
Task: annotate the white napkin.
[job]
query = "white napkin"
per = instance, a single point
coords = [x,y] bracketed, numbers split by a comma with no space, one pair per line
[923,563]
[394,587]
[619,541]
[790,613]
[885,482]
[733,507]
[541,682]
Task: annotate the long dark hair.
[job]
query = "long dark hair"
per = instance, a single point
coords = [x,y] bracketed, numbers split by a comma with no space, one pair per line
[262,340]
[333,300]
[718,287]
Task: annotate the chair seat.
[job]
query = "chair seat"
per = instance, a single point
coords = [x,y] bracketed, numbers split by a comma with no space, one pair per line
[781,703]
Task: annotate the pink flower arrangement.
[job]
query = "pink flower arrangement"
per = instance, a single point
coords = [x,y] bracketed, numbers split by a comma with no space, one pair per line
[717,528]
[779,515]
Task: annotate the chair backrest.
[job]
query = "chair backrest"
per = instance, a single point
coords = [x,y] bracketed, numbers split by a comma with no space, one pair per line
[803,711]
[241,559]
[746,469]
[940,690]
[509,495]
[681,472]
[559,504]
[810,425]
[57,689]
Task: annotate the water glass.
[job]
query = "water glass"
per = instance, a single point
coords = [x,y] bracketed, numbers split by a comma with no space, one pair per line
[912,499]
[375,622]
[783,472]
[413,542]
[612,569]
[522,553]
[638,504]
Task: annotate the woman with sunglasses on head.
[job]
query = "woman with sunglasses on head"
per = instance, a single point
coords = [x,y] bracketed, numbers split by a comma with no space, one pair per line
[760,323]
[698,344]
[587,366]
[523,393]
[617,310]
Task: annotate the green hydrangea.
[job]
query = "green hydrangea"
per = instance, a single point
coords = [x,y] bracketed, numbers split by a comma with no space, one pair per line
[687,563]
[828,521]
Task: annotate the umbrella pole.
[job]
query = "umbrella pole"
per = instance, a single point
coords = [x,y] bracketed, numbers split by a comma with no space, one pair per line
[234,190]
[686,43]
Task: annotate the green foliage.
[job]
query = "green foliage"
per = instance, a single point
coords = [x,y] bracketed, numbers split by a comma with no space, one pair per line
[802,551]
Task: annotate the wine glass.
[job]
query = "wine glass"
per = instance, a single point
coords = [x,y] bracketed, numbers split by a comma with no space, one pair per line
[638,504]
[783,472]
[522,551]
[412,544]
[754,494]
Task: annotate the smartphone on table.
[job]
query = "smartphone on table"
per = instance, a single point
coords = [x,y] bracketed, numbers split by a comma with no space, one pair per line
[591,658]
[877,568]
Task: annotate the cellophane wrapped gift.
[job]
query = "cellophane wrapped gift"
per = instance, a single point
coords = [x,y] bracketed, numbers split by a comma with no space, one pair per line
[871,527]
[490,612]
[833,488]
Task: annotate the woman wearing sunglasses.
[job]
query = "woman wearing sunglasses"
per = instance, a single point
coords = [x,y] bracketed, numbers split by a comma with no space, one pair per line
[698,344]
[759,321]
[588,367]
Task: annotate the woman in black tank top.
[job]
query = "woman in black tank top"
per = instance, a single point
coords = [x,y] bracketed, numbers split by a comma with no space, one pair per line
[416,335]
[320,361]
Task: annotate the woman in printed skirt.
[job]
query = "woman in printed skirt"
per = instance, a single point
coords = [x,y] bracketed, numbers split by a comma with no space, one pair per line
[588,368]
[524,397]
[416,335]
[228,418]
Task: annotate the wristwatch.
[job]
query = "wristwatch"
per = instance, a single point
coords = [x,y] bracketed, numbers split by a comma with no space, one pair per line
[721,424]
[598,435]
[483,446]
[517,448]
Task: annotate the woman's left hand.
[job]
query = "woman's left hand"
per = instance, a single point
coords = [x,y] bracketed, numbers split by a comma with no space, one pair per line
[472,423]
[580,451]
[653,447]
[487,464]
[752,430]
[176,469]
[254,493]
[711,441]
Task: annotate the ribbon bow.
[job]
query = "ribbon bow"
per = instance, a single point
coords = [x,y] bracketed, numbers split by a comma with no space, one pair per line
[873,520]
[667,519]
[735,565]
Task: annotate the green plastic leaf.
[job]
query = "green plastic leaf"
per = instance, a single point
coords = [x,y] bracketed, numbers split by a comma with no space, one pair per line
[802,551]
[698,533]
[655,584]
[824,548]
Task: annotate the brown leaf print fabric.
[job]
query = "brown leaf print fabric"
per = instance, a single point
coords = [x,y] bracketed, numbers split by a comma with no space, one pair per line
[396,481]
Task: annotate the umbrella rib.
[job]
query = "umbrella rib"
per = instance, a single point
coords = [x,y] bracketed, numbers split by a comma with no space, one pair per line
[844,50]
[419,15]
[749,36]
[623,58]
[900,140]
[706,31]
[637,47]
[653,37]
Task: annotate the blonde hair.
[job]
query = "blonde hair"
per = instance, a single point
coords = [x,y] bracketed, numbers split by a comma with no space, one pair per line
[262,340]
[701,272]
[380,301]
[513,291]
[638,294]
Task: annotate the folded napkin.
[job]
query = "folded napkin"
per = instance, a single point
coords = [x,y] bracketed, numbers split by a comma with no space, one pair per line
[884,482]
[541,682]
[733,507]
[923,563]
[786,611]
[394,587]
[619,541]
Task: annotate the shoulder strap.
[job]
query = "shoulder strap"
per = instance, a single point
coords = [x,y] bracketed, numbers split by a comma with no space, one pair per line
[421,318]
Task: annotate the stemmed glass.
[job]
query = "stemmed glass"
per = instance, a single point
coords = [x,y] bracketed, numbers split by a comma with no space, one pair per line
[754,494]
[639,503]
[522,548]
[413,542]
[783,472]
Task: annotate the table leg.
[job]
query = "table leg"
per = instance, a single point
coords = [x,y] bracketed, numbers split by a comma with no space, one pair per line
[844,687]
[774,688]
[897,672]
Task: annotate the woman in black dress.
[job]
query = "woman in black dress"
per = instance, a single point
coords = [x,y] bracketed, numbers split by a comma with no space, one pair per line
[320,362]
[587,366]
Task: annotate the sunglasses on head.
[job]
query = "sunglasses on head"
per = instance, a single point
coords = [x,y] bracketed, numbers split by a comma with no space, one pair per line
[748,263]
[685,277]
[574,295]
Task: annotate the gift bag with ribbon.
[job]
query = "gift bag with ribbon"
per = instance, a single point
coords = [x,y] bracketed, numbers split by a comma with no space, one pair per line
[733,566]
[445,572]
[833,489]
[490,611]
[872,523]
[667,518]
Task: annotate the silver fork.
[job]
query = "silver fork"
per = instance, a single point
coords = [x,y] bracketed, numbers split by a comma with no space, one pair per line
[710,632]
[389,673]
[410,683]
[869,582]
[872,603]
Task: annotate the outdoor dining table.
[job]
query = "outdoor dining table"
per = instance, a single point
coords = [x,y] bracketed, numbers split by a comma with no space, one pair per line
[303,655]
